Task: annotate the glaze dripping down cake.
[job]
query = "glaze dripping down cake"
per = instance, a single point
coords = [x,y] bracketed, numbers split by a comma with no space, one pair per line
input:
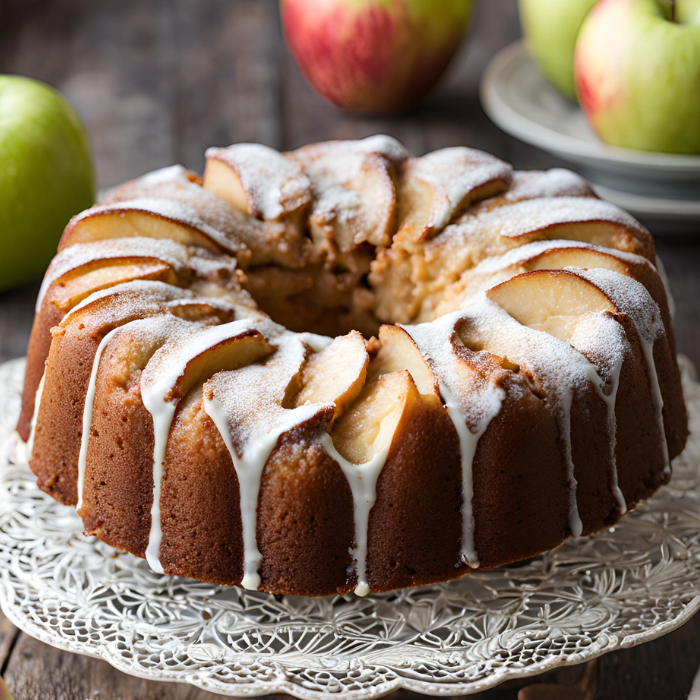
[345,368]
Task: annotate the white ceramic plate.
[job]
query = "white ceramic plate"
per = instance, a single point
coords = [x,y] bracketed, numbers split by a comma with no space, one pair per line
[627,585]
[653,186]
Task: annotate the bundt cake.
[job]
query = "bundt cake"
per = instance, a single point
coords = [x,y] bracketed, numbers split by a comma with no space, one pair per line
[345,368]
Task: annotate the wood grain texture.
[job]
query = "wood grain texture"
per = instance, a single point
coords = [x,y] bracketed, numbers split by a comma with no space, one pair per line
[158,82]
[8,638]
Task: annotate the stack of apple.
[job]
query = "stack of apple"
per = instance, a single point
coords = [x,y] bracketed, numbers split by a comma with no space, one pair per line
[634,66]
[374,56]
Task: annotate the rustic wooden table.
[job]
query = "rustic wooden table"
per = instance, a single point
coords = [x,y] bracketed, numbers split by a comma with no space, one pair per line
[156,84]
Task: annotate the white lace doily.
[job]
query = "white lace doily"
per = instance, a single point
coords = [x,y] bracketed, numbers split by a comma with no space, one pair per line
[627,585]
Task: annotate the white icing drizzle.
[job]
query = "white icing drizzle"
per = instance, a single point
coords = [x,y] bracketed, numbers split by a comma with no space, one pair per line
[560,368]
[656,398]
[35,415]
[471,406]
[155,387]
[362,479]
[468,442]
[612,433]
[87,415]
[249,468]
[564,422]
[632,298]
[601,336]
[251,437]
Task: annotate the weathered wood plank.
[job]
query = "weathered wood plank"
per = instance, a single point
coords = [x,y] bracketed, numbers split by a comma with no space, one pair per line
[112,60]
[16,319]
[227,76]
[40,672]
[8,637]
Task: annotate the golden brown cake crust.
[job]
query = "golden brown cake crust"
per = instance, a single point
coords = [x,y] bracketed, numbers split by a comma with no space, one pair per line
[448,239]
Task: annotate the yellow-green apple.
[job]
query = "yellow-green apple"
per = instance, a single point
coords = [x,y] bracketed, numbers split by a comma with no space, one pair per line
[550,28]
[375,56]
[637,71]
[46,175]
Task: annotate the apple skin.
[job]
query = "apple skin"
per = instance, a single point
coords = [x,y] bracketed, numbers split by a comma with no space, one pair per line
[46,175]
[374,56]
[550,28]
[638,74]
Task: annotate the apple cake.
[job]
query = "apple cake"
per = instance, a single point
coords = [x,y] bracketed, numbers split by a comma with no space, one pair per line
[344,368]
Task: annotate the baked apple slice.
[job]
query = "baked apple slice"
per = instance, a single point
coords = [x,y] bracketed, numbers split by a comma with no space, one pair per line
[257,180]
[354,193]
[71,289]
[437,187]
[545,255]
[146,217]
[550,300]
[336,374]
[583,219]
[398,352]
[368,426]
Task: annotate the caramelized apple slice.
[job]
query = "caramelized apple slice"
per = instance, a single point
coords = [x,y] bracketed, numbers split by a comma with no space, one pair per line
[147,217]
[370,423]
[583,219]
[257,180]
[71,289]
[397,352]
[542,255]
[550,300]
[336,374]
[437,187]
[354,194]
[184,362]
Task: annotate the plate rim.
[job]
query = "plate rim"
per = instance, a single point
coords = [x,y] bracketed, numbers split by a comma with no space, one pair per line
[503,114]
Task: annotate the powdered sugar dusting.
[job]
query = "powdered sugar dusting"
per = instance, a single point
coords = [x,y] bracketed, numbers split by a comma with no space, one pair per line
[632,298]
[557,182]
[172,173]
[454,173]
[352,186]
[471,400]
[274,183]
[129,297]
[534,214]
[168,209]
[251,436]
[531,250]
[75,256]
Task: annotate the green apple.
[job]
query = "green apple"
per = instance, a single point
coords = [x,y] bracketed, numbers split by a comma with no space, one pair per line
[46,175]
[551,28]
[637,69]
[377,56]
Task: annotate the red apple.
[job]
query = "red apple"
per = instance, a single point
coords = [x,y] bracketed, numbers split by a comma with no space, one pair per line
[374,55]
